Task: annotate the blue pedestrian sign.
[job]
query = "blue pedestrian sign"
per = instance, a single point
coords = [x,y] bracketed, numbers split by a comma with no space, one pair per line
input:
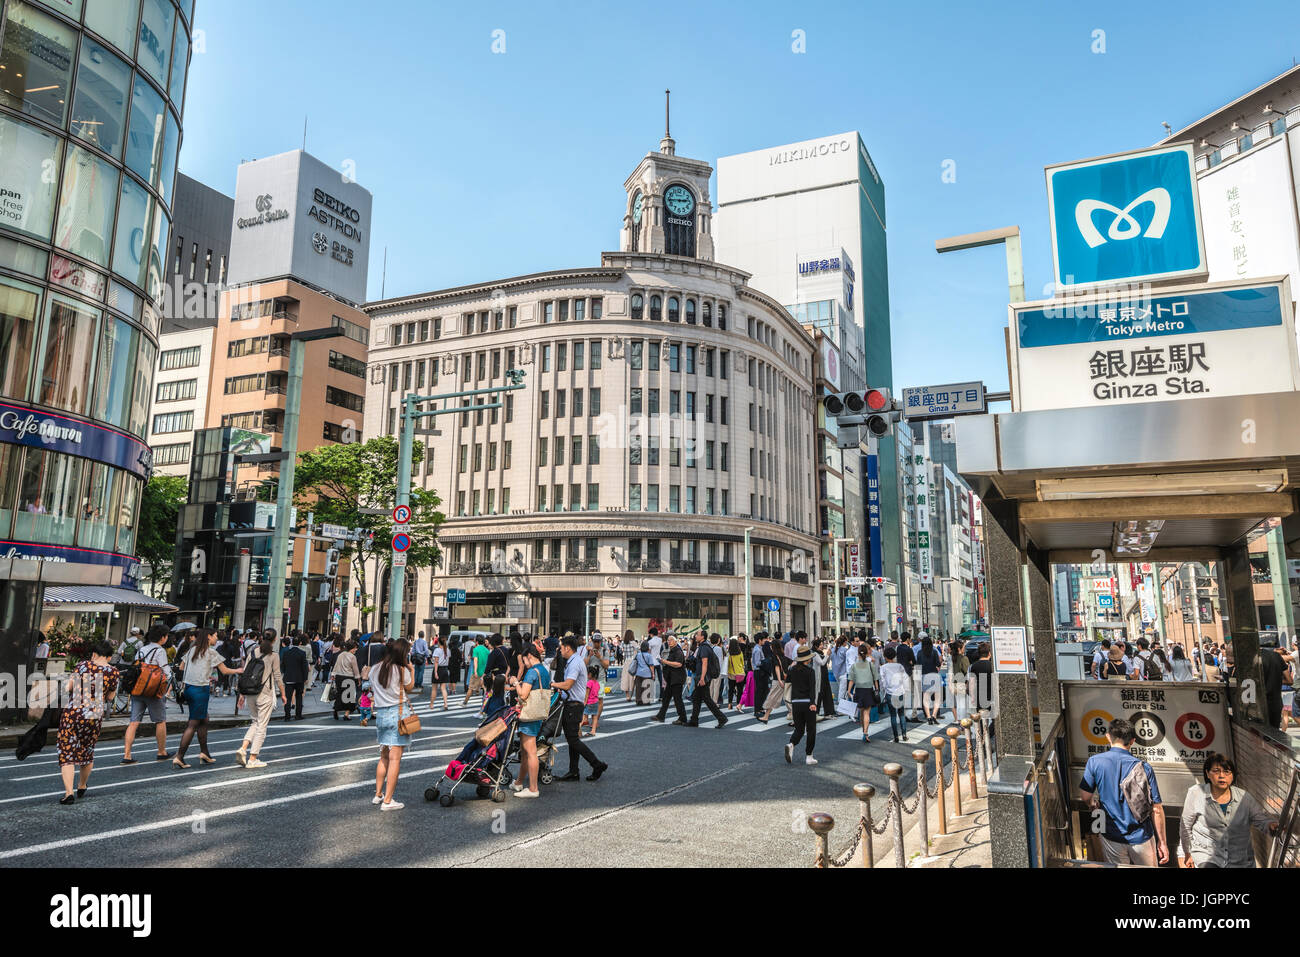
[455,596]
[773,604]
[851,602]
[1128,218]
[1105,601]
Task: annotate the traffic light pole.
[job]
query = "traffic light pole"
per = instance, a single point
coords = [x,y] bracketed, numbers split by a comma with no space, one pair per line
[306,566]
[406,442]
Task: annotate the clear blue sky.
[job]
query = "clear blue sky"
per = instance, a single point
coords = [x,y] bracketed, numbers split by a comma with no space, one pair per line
[488,165]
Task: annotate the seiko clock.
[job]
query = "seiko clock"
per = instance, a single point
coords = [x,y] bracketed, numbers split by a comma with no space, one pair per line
[679,200]
[636,208]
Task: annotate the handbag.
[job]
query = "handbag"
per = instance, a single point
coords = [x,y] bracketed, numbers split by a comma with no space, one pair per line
[151,683]
[537,706]
[491,731]
[411,723]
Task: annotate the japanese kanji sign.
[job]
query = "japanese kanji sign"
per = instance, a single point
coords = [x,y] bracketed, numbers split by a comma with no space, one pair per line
[1228,339]
[942,401]
[1177,724]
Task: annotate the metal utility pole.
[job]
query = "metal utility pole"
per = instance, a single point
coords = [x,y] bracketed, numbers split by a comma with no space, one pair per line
[410,414]
[749,602]
[288,463]
[241,589]
[306,565]
[839,602]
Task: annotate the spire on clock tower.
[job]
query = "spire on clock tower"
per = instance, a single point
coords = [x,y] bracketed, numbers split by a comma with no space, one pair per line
[667,145]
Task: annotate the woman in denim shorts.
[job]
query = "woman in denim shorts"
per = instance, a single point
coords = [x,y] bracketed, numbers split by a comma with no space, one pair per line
[390,681]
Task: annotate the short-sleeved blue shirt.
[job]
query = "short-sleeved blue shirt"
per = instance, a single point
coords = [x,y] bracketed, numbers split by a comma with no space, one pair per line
[1102,776]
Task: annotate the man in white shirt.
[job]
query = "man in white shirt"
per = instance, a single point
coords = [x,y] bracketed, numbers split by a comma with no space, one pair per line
[656,644]
[1099,657]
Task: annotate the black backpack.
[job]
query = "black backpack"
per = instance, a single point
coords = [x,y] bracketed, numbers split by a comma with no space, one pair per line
[254,677]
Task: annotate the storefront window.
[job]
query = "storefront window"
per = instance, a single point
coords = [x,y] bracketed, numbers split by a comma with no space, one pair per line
[126,516]
[48,497]
[144,142]
[17,338]
[129,258]
[68,352]
[100,511]
[37,64]
[143,379]
[10,458]
[115,382]
[180,60]
[99,111]
[115,21]
[27,176]
[156,38]
[86,205]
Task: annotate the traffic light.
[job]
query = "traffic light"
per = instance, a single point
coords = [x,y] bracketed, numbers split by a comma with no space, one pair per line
[331,563]
[874,408]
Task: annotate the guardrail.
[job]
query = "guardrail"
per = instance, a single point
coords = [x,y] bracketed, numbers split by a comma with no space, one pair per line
[973,733]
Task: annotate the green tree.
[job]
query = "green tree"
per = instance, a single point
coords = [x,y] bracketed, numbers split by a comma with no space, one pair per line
[155,543]
[338,481]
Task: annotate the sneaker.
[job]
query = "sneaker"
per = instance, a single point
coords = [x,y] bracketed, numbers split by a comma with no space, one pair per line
[516,786]
[525,793]
[255,763]
[392,806]
[722,723]
[789,754]
[376,800]
[810,760]
[680,721]
[657,718]
[241,758]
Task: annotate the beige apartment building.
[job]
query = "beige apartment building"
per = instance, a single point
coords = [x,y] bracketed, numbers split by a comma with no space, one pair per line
[667,407]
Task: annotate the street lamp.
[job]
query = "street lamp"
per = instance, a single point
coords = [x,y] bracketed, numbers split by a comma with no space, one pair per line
[1006,235]
[288,463]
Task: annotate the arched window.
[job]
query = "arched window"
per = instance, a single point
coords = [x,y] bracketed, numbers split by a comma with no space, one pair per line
[690,311]
[708,314]
[674,309]
[638,305]
[722,316]
[656,308]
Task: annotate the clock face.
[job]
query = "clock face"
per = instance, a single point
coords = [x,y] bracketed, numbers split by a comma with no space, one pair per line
[679,200]
[636,209]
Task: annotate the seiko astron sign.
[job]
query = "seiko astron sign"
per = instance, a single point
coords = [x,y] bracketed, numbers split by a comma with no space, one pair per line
[297,217]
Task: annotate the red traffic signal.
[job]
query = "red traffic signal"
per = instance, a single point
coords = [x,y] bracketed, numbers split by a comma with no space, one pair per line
[877,399]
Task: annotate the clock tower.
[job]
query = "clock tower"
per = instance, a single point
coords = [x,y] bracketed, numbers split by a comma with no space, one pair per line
[668,206]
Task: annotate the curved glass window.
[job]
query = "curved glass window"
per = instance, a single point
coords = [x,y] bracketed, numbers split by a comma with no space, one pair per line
[145,140]
[130,243]
[49,493]
[36,64]
[99,511]
[115,21]
[142,383]
[126,516]
[162,228]
[99,110]
[67,355]
[11,457]
[116,379]
[674,309]
[638,305]
[656,308]
[180,62]
[18,306]
[154,54]
[86,205]
[167,167]
[29,159]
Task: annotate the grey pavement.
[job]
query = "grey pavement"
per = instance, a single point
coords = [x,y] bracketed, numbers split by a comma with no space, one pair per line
[673,796]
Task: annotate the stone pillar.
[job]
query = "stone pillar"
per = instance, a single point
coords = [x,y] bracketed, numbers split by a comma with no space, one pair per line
[20,615]
[1043,643]
[1243,625]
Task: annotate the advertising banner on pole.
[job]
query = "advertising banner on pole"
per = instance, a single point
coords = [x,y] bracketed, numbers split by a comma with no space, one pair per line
[874,540]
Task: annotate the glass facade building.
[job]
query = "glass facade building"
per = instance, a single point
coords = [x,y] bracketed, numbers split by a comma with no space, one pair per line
[91,97]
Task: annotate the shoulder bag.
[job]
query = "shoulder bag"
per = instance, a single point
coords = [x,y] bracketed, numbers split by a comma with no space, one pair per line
[537,707]
[151,682]
[410,723]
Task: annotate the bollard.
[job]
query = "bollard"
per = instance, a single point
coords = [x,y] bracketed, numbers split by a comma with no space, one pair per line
[864,793]
[956,773]
[893,771]
[920,756]
[937,743]
[970,757]
[986,723]
[979,747]
[821,825]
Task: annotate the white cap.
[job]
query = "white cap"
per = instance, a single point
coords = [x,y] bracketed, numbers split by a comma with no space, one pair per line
[135,630]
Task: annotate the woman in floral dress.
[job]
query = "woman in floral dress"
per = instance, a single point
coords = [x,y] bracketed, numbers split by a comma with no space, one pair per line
[90,688]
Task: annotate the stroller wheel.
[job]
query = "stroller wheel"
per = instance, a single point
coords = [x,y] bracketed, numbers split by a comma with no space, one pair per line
[446,800]
[547,777]
[431,794]
[498,796]
[483,790]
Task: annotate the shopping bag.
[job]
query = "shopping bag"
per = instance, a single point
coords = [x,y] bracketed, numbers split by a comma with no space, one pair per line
[325,693]
[847,707]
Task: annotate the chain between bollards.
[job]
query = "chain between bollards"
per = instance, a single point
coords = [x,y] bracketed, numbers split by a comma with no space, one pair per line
[970,757]
[893,771]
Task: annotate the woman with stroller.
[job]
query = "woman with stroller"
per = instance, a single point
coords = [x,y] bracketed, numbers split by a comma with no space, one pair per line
[390,680]
[536,680]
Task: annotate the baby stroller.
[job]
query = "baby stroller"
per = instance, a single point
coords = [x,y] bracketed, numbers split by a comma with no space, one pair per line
[483,763]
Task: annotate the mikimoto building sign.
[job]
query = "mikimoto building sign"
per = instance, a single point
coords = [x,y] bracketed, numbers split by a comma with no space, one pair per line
[1216,339]
[296,217]
[1129,218]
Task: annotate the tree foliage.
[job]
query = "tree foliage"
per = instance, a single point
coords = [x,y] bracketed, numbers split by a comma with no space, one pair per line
[155,542]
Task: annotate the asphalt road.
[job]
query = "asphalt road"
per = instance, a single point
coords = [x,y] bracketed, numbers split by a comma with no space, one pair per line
[673,796]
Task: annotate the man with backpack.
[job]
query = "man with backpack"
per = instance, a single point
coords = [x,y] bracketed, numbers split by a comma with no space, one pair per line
[707,671]
[149,678]
[1122,790]
[1146,663]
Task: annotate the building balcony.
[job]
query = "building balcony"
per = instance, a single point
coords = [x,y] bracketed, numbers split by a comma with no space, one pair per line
[651,565]
[486,568]
[684,565]
[460,568]
[582,565]
[722,568]
[542,565]
[799,578]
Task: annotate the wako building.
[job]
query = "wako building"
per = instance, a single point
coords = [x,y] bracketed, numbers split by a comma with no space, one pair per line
[91,93]
[668,406]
